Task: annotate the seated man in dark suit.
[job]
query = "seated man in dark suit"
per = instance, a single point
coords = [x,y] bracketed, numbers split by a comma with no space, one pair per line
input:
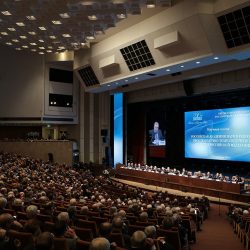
[155,134]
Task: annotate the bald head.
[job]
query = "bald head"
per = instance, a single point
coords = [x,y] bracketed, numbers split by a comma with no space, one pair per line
[105,229]
[63,217]
[117,222]
[138,239]
[99,243]
[31,211]
[84,210]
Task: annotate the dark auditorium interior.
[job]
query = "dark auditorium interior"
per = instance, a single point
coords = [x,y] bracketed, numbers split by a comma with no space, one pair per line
[124,124]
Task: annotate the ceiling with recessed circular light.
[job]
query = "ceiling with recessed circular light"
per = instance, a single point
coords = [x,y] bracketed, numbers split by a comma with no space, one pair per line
[49,26]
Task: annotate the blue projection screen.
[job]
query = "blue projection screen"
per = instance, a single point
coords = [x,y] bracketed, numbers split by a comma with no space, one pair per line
[118,128]
[218,134]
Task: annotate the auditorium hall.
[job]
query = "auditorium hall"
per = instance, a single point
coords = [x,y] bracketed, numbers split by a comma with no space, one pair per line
[124,124]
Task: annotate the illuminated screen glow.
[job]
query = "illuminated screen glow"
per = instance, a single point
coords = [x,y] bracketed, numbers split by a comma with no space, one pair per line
[118,128]
[218,134]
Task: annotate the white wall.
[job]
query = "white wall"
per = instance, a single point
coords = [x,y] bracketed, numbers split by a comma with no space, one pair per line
[22,83]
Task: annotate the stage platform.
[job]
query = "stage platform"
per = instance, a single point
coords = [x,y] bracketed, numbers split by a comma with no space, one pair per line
[217,189]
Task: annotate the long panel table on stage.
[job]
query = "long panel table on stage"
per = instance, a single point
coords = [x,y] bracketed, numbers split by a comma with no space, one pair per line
[214,188]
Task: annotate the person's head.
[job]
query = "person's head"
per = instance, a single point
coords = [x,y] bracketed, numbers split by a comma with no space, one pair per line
[72,212]
[117,222]
[122,213]
[63,217]
[105,229]
[45,241]
[150,231]
[144,217]
[6,220]
[17,202]
[245,212]
[96,207]
[73,202]
[99,243]
[3,202]
[156,126]
[84,210]
[138,239]
[48,207]
[176,219]
[167,222]
[2,234]
[31,211]
[112,210]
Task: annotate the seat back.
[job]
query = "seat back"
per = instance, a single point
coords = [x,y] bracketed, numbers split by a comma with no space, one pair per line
[44,217]
[93,213]
[9,211]
[131,219]
[117,238]
[60,244]
[145,224]
[20,240]
[84,233]
[21,216]
[88,224]
[172,237]
[190,229]
[82,245]
[49,226]
[133,228]
[98,220]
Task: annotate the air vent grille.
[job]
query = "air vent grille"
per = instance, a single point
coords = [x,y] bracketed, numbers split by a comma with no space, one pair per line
[235,27]
[88,76]
[137,56]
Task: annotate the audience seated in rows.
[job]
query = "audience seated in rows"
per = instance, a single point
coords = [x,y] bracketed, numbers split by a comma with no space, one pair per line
[35,195]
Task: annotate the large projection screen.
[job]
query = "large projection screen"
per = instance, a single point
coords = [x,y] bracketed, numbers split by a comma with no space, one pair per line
[218,134]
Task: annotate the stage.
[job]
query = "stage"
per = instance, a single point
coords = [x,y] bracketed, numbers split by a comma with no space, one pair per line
[212,188]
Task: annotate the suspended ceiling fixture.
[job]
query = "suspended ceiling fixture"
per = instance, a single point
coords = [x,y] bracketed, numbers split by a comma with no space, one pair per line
[50,26]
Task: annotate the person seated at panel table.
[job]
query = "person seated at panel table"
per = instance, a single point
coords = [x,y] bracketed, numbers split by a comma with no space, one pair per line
[184,172]
[218,177]
[237,179]
[226,179]
[209,175]
[168,170]
[155,134]
[173,171]
[149,168]
[200,174]
[162,170]
[139,166]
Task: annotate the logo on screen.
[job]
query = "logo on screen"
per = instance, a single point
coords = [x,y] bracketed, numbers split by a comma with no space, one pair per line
[197,116]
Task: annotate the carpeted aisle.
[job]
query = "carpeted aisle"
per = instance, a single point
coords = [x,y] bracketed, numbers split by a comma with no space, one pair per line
[217,233]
